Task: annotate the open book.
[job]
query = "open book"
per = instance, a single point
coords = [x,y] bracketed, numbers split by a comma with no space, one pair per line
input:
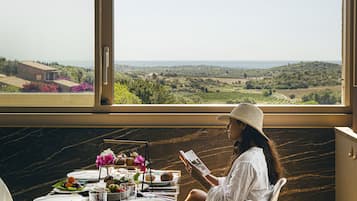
[191,158]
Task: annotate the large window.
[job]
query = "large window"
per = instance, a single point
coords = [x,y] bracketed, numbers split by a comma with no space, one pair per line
[214,52]
[157,62]
[47,53]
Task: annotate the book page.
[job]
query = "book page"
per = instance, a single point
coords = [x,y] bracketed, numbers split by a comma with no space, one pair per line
[197,162]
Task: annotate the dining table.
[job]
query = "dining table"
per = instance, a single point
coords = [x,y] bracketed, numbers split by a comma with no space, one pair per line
[154,190]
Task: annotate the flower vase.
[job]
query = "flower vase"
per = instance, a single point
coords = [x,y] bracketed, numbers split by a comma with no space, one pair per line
[105,171]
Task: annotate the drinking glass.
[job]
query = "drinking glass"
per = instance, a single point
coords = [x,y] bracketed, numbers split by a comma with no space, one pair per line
[130,189]
[98,196]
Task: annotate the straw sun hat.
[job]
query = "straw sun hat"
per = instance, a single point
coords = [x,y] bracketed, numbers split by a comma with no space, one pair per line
[248,114]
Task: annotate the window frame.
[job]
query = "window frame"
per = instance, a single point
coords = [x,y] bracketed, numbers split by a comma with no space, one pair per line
[104,114]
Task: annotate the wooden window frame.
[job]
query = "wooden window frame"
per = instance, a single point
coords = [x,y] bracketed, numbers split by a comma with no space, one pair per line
[104,114]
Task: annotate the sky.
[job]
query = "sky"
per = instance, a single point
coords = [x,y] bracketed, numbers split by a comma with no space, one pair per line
[63,30]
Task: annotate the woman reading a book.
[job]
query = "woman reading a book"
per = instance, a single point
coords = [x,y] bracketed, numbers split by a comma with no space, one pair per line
[255,165]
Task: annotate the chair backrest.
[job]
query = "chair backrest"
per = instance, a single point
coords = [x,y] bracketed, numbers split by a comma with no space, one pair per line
[4,192]
[277,187]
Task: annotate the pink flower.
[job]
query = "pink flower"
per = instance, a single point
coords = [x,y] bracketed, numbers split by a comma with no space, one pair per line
[139,159]
[99,161]
[140,162]
[104,160]
[109,159]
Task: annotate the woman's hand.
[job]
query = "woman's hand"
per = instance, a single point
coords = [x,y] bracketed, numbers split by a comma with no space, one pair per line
[188,166]
[197,175]
[193,171]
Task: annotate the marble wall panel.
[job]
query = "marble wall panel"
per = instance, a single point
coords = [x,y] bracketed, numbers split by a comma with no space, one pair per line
[32,159]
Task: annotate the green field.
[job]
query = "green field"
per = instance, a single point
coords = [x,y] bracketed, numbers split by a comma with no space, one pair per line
[240,97]
[315,82]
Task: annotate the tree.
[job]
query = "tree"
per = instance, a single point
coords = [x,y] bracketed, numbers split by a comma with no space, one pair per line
[123,96]
[249,84]
[8,67]
[267,92]
[151,92]
[321,97]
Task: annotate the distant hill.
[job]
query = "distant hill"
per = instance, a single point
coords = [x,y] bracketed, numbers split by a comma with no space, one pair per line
[300,75]
[185,71]
[216,71]
[291,76]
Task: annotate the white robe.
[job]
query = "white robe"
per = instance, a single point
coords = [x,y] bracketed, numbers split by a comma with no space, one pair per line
[247,180]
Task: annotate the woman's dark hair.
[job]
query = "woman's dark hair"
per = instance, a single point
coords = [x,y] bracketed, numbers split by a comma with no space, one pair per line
[251,137]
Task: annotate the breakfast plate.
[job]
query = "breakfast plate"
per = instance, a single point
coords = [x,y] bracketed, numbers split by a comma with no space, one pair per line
[56,190]
[89,175]
[61,187]
[157,179]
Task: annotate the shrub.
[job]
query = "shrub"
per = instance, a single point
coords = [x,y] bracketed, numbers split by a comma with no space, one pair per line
[322,97]
[123,96]
[83,87]
[267,92]
[8,88]
[40,87]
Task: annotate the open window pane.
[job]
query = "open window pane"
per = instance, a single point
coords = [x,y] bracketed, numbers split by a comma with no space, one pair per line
[47,53]
[199,52]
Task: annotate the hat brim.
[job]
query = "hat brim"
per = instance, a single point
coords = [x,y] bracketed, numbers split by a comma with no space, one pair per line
[227,117]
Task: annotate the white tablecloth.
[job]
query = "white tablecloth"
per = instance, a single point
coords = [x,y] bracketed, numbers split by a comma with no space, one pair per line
[59,197]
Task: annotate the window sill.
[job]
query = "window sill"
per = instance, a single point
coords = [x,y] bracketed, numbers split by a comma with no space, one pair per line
[167,120]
